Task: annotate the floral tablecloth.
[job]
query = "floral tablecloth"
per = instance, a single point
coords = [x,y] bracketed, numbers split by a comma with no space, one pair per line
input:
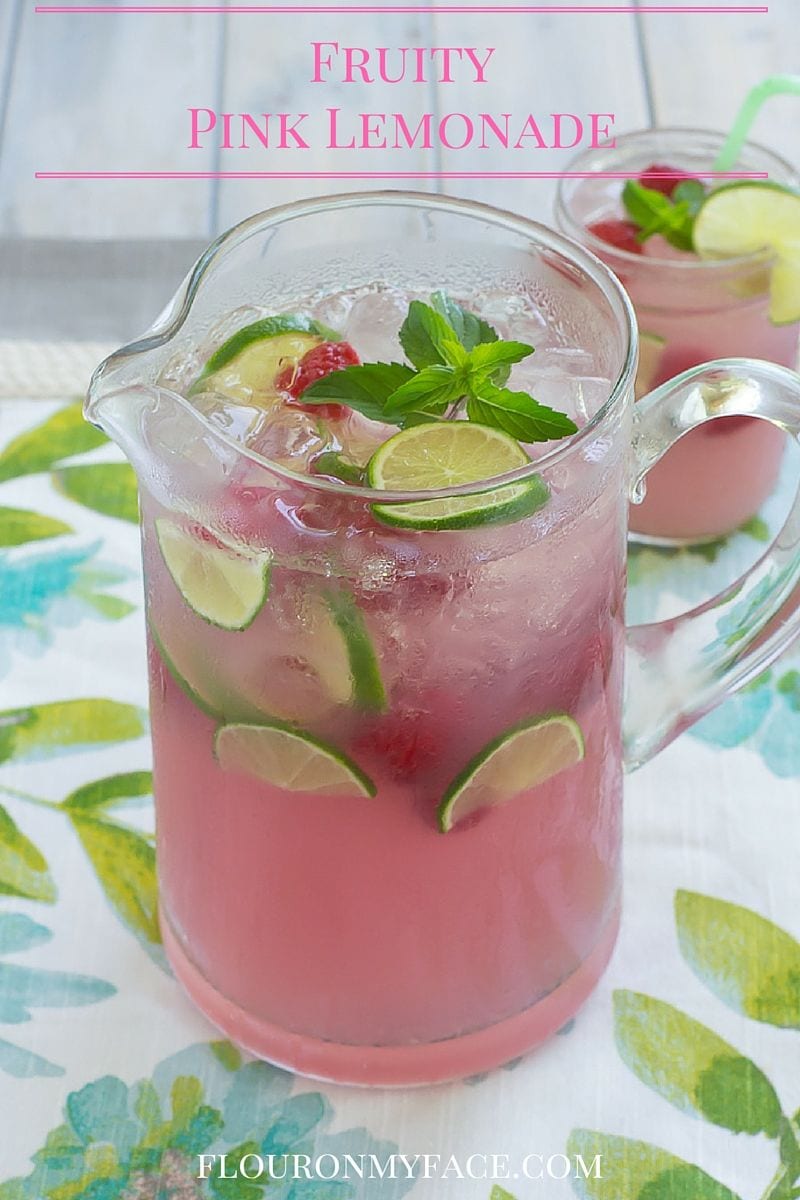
[682,1072]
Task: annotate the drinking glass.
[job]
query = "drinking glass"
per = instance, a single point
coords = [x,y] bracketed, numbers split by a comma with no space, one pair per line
[690,311]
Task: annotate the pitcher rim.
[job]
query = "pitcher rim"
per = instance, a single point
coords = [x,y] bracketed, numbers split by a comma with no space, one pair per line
[175,314]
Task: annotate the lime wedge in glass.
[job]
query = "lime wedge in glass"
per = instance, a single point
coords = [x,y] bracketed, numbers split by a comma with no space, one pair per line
[246,365]
[447,454]
[225,587]
[290,759]
[313,660]
[745,218]
[201,696]
[363,668]
[520,759]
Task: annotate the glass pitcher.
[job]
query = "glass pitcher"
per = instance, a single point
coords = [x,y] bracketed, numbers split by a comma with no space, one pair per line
[389,800]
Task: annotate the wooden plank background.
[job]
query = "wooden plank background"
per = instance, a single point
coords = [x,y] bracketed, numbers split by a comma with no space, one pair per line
[112,92]
[701,67]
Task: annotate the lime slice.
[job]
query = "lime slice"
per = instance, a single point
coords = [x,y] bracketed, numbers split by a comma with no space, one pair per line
[520,759]
[745,218]
[368,689]
[225,587]
[289,759]
[651,348]
[444,455]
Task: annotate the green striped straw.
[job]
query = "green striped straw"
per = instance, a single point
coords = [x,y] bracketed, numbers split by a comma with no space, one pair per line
[775,85]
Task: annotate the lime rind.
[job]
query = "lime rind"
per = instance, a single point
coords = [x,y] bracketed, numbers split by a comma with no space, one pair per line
[438,455]
[746,218]
[521,758]
[368,689]
[205,688]
[182,682]
[511,502]
[225,587]
[290,759]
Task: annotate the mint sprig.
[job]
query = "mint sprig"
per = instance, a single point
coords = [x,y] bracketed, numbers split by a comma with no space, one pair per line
[456,358]
[671,217]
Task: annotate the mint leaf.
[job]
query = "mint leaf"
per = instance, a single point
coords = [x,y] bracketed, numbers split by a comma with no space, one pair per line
[489,363]
[679,233]
[519,415]
[435,387]
[646,207]
[691,192]
[655,213]
[428,339]
[365,388]
[470,330]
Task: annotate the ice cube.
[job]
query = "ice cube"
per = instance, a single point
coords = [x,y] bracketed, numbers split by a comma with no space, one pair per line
[514,316]
[567,359]
[361,437]
[292,437]
[373,323]
[239,421]
[333,311]
[231,323]
[564,378]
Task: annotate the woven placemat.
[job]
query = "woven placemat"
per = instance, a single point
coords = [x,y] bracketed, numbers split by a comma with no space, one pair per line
[48,370]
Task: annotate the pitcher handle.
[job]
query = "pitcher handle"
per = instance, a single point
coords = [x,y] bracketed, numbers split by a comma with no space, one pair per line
[677,670]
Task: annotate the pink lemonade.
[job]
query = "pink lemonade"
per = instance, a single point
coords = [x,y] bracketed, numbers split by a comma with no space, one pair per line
[346,936]
[689,311]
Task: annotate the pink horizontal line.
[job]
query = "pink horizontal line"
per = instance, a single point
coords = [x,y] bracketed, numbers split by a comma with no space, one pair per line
[382,175]
[549,9]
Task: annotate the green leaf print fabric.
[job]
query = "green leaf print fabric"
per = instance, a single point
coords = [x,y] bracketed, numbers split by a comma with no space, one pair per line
[679,1079]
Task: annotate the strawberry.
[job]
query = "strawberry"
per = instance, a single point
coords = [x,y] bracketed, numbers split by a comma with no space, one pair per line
[619,233]
[408,740]
[316,364]
[649,178]
[402,742]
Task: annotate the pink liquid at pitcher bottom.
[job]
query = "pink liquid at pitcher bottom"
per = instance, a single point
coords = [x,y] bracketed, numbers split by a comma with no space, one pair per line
[349,938]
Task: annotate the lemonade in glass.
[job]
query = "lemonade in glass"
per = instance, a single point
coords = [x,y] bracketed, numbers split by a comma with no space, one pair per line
[694,256]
